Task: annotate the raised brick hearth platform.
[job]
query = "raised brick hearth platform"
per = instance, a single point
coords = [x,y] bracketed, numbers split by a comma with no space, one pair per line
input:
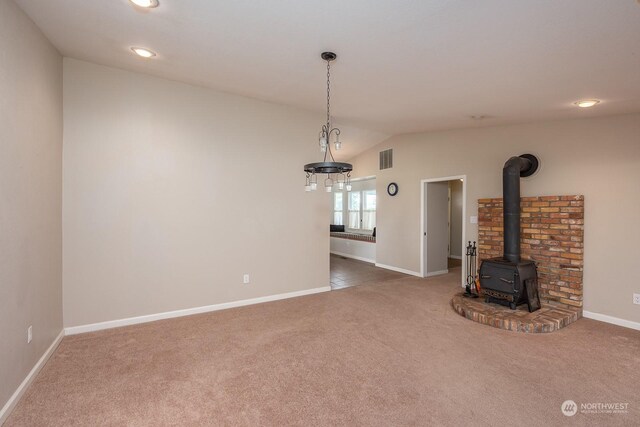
[549,318]
[552,230]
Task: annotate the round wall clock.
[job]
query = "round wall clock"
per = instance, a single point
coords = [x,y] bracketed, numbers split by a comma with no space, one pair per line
[392,189]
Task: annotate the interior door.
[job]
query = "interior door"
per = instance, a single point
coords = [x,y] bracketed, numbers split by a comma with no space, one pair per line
[436,228]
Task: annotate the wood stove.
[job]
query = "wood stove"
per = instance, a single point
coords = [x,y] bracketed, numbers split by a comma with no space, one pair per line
[507,283]
[508,280]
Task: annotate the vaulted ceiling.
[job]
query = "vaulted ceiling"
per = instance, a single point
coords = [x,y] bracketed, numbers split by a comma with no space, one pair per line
[403,65]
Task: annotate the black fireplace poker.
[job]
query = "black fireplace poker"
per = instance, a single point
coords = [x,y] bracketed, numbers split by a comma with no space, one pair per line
[470,287]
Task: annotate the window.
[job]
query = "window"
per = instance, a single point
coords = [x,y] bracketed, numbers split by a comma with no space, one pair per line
[361,210]
[337,208]
[354,209]
[369,210]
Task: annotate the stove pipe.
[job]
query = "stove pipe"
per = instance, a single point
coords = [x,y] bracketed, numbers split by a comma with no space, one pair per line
[514,168]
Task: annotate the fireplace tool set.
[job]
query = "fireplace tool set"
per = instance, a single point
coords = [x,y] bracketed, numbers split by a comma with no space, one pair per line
[470,290]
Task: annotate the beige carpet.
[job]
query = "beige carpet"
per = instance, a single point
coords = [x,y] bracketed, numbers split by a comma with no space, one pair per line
[381,354]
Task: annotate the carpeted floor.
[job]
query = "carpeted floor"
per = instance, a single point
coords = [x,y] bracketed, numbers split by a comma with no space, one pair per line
[383,354]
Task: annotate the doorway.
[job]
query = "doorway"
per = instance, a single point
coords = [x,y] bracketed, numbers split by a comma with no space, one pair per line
[443,210]
[353,235]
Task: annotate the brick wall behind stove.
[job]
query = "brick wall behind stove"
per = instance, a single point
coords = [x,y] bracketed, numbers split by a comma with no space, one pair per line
[552,235]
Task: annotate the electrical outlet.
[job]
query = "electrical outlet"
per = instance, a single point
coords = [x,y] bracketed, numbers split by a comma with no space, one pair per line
[636,299]
[29,334]
[245,279]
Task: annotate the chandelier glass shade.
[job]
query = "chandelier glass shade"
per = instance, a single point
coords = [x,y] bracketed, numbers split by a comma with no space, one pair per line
[338,173]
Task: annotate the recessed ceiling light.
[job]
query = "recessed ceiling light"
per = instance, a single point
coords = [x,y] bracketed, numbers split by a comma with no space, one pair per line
[145,53]
[586,103]
[145,3]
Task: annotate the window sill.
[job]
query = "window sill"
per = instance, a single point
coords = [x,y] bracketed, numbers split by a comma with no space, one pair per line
[354,236]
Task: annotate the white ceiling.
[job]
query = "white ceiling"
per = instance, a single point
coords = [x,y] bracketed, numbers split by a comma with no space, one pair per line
[403,65]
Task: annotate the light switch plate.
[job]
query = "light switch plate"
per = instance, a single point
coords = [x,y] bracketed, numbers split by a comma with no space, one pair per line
[636,299]
[473,219]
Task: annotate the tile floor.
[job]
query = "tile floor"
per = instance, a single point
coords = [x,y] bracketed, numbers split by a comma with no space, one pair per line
[453,263]
[346,272]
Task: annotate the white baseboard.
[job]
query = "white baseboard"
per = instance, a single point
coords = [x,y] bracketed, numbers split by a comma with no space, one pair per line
[436,273]
[455,256]
[359,258]
[399,270]
[15,398]
[611,319]
[73,330]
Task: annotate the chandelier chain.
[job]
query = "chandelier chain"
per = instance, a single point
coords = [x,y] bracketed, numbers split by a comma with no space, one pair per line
[328,94]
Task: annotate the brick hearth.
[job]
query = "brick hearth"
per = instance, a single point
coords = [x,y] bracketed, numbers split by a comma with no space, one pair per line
[550,318]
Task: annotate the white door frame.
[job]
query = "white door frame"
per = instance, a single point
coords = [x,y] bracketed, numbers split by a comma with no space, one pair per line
[423,186]
[449,221]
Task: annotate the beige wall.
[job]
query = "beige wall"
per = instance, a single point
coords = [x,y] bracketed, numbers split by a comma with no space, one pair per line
[30,195]
[598,157]
[172,192]
[456,218]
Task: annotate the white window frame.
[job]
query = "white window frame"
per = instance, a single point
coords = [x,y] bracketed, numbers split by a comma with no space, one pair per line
[361,211]
[335,196]
[347,217]
[363,199]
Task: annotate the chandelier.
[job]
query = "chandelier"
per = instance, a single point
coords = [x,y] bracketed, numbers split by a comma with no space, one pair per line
[338,173]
